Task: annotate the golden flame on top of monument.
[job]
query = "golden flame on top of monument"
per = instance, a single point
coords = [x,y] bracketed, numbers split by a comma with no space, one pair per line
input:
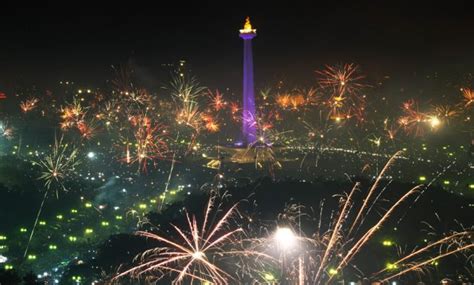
[248,27]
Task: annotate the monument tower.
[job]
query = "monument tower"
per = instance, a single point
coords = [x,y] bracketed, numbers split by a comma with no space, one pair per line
[248,112]
[250,150]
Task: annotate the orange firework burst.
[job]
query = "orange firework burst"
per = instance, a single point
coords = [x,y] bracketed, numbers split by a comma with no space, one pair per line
[72,115]
[192,254]
[189,115]
[344,100]
[28,105]
[342,80]
[468,95]
[149,145]
[310,96]
[217,100]
[446,112]
[283,100]
[210,123]
[294,100]
[412,119]
[87,130]
[234,110]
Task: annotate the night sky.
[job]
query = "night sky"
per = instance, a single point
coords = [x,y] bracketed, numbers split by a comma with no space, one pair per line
[80,42]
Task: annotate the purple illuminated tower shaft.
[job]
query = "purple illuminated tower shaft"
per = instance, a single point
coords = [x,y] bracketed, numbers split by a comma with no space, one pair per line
[248,113]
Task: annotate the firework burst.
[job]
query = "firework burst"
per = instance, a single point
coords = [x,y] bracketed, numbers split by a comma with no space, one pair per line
[149,142]
[193,253]
[58,165]
[413,120]
[6,131]
[468,97]
[344,100]
[55,167]
[217,100]
[28,105]
[322,255]
[446,112]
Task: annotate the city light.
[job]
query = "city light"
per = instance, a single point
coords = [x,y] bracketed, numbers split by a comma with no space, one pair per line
[332,271]
[91,155]
[391,266]
[8,267]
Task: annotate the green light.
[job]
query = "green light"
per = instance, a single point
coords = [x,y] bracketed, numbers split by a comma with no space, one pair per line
[332,271]
[422,178]
[72,238]
[77,278]
[471,186]
[88,205]
[8,267]
[3,237]
[89,231]
[3,247]
[59,217]
[74,211]
[52,247]
[118,217]
[162,196]
[435,263]
[425,148]
[142,206]
[446,182]
[42,223]
[391,266]
[269,277]
[104,223]
[450,154]
[387,243]
[153,201]
[23,230]
[173,192]
[31,257]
